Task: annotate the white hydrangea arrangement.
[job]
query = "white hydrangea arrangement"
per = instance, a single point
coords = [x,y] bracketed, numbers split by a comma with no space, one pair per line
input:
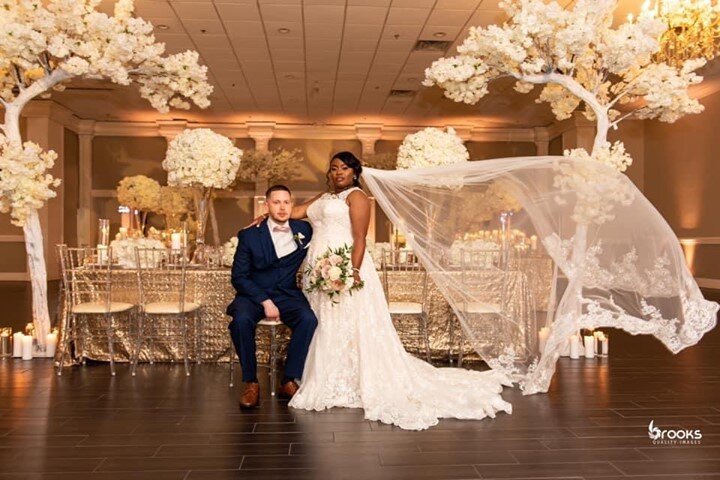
[228,252]
[25,185]
[431,147]
[202,158]
[123,250]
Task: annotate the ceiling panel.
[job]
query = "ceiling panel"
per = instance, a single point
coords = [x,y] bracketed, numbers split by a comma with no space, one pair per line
[313,59]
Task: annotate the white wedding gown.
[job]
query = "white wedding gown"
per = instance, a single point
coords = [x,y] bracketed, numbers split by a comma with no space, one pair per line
[357,360]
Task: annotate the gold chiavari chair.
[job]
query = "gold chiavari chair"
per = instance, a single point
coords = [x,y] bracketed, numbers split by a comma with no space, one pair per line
[162,282]
[87,279]
[476,266]
[407,291]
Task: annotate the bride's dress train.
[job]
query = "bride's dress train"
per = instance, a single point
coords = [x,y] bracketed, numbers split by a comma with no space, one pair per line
[357,360]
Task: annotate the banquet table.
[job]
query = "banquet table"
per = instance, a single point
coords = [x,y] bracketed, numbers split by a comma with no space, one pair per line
[212,288]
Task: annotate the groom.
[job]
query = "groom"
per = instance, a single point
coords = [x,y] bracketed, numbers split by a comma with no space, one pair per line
[264,272]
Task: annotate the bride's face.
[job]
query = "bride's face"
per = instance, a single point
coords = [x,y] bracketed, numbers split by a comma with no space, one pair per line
[341,175]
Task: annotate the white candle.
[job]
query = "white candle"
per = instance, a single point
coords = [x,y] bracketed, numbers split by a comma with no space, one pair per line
[176,241]
[533,242]
[51,344]
[17,344]
[589,346]
[27,347]
[102,254]
[575,346]
[605,345]
[542,338]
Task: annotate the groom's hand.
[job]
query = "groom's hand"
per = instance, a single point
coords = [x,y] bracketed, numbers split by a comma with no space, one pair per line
[271,311]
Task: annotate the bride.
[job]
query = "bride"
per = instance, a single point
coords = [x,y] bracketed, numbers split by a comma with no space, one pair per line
[356,359]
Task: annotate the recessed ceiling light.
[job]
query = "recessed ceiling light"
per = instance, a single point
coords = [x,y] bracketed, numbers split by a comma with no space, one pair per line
[283,30]
[412,79]
[162,26]
[290,77]
[439,34]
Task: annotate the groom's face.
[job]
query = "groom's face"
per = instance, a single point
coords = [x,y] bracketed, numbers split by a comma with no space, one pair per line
[279,205]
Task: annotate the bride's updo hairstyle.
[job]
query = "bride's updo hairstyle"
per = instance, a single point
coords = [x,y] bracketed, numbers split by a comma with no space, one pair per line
[351,161]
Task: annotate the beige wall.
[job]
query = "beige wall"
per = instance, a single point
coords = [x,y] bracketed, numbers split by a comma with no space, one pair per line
[682,179]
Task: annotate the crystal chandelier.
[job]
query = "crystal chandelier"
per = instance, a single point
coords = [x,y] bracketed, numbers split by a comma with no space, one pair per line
[693,29]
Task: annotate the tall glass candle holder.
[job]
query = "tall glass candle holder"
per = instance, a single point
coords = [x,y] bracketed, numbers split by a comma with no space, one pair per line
[104,232]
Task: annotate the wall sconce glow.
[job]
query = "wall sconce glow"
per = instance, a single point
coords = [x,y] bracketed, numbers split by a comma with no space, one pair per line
[689,246]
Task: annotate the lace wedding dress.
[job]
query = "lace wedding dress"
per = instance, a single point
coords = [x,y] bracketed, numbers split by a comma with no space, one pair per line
[357,360]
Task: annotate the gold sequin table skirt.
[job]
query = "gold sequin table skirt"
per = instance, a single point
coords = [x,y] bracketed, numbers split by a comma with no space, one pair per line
[209,341]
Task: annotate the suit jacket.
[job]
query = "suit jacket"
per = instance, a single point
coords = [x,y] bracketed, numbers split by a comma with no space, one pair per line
[258,274]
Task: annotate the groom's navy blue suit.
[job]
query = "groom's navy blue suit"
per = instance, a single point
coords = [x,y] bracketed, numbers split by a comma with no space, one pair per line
[257,275]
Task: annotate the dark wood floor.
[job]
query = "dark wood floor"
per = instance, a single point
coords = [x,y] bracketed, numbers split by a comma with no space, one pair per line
[161,425]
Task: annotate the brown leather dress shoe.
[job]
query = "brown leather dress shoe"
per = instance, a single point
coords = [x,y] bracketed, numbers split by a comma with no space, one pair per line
[287,390]
[250,398]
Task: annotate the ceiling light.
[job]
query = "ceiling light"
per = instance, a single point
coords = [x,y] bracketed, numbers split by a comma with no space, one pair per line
[290,77]
[439,34]
[693,29]
[162,26]
[283,30]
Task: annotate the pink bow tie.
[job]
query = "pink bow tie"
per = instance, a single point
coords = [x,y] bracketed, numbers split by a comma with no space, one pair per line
[281,229]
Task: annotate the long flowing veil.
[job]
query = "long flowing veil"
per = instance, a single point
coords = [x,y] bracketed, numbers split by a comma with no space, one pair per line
[607,257]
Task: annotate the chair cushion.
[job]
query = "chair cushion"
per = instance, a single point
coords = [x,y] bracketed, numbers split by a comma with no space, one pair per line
[269,323]
[405,307]
[100,307]
[482,307]
[160,308]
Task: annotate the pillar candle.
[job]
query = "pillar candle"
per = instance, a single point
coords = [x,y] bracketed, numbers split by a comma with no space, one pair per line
[533,242]
[51,344]
[102,254]
[17,344]
[589,346]
[27,347]
[542,338]
[605,345]
[575,346]
[176,241]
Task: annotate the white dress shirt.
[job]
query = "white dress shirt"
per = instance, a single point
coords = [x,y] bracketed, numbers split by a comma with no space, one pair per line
[283,241]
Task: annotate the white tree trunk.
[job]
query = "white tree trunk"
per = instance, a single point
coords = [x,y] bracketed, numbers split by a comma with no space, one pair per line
[33,232]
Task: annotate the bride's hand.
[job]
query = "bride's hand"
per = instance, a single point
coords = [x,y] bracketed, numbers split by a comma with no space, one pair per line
[356,277]
[257,220]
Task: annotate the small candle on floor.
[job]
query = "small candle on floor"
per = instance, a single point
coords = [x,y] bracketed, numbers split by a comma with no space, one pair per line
[605,345]
[27,347]
[17,344]
[589,346]
[51,344]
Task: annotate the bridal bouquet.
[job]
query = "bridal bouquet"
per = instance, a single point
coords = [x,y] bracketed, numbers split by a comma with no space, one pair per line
[332,273]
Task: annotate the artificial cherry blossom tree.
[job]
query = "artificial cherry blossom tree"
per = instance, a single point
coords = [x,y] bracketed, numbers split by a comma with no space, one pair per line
[583,62]
[579,57]
[46,43]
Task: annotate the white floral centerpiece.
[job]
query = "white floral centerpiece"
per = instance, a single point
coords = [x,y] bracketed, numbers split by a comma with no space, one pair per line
[431,147]
[228,255]
[123,250]
[205,161]
[174,203]
[44,44]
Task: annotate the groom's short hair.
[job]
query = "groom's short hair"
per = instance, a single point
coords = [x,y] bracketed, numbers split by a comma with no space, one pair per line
[277,188]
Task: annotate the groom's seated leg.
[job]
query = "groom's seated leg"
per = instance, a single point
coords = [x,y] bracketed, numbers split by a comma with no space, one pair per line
[300,318]
[246,315]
